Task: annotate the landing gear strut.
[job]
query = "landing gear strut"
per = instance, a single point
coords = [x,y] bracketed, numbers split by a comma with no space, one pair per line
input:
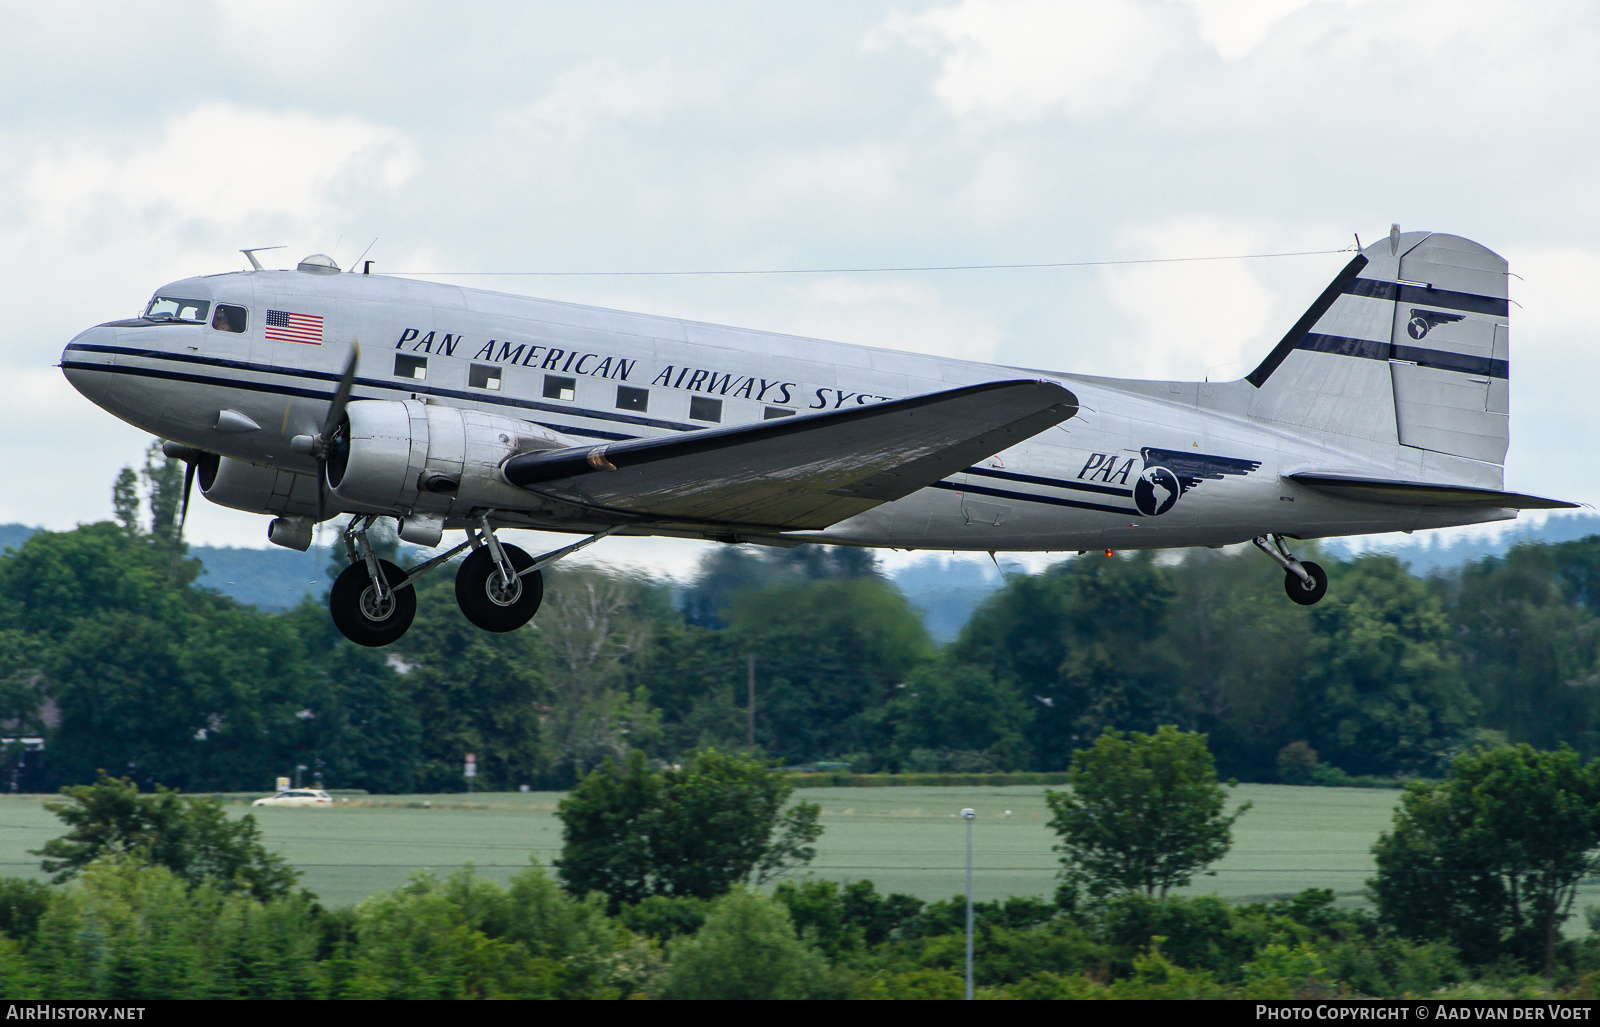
[498,587]
[1305,582]
[370,601]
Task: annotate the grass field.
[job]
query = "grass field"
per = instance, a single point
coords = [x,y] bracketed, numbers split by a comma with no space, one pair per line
[904,839]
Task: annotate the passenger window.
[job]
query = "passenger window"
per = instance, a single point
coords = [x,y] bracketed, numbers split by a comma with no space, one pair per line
[632,399]
[482,376]
[229,318]
[702,409]
[556,387]
[772,412]
[415,368]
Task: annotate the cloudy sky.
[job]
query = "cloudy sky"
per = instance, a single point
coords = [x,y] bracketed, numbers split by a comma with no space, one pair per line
[144,143]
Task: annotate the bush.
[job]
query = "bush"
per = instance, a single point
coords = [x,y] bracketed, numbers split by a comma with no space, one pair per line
[920,984]
[1297,763]
[746,950]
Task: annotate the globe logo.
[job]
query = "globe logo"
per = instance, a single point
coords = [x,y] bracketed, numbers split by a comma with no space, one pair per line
[1418,327]
[1156,491]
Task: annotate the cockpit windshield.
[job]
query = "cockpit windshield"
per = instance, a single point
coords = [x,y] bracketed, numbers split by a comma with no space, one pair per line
[174,308]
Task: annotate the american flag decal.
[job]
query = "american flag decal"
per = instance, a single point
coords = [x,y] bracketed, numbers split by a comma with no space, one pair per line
[287,326]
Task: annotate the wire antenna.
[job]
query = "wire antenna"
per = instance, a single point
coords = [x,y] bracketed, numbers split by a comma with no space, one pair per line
[876,270]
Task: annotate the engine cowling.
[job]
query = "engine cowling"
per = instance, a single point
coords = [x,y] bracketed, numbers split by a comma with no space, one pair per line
[424,462]
[256,489]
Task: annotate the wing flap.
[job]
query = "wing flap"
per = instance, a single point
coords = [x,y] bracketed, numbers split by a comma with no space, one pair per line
[1399,492]
[803,472]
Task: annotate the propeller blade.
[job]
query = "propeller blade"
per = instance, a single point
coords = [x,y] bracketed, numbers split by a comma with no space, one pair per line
[189,468]
[188,488]
[341,397]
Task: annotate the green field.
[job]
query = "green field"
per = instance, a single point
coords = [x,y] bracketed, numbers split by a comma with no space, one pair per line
[904,839]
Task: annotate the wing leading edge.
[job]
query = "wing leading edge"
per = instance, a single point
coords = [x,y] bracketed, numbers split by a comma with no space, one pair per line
[1398,492]
[803,472]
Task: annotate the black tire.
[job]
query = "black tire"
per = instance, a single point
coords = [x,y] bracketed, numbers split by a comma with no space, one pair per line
[351,601]
[493,608]
[1298,590]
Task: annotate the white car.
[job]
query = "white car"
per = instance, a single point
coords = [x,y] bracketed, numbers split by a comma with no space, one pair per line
[296,797]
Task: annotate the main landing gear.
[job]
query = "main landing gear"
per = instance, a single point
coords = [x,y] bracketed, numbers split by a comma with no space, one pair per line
[1305,581]
[498,586]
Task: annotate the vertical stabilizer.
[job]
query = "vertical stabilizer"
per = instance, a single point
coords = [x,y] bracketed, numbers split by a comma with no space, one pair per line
[1406,348]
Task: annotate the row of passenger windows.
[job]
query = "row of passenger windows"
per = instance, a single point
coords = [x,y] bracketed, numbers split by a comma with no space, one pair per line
[630,398]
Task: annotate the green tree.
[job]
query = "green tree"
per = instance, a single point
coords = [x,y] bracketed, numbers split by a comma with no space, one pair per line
[191,836]
[1382,693]
[163,479]
[1083,645]
[1491,857]
[632,831]
[464,690]
[593,625]
[746,950]
[1145,813]
[826,652]
[1528,638]
[949,712]
[125,500]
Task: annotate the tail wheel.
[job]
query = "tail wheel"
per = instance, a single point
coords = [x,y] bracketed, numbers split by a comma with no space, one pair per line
[358,612]
[1299,591]
[488,600]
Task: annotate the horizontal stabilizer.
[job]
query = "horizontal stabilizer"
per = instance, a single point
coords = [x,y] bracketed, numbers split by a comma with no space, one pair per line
[803,472]
[1397,492]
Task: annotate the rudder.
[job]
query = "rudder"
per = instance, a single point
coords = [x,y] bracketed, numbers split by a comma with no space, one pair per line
[1407,347]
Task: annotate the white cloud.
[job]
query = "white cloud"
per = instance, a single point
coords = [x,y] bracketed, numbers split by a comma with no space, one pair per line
[1187,320]
[1022,59]
[1553,366]
[1235,27]
[895,314]
[583,99]
[218,165]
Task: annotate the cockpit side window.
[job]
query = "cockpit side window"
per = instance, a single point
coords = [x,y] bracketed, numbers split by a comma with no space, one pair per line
[176,308]
[229,318]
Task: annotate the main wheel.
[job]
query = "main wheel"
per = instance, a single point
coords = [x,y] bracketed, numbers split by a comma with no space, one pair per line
[488,600]
[358,613]
[1299,591]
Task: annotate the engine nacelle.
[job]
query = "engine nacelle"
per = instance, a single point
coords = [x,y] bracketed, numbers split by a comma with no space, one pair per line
[424,462]
[256,489]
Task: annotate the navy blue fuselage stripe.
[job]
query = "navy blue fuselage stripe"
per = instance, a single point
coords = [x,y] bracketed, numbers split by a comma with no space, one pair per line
[290,390]
[1027,497]
[405,387]
[1430,297]
[1434,358]
[1058,483]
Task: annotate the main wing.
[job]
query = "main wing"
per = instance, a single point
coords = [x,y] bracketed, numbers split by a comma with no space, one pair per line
[802,472]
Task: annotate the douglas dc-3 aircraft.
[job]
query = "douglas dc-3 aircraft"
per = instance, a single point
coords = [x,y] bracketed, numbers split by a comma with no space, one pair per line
[1383,409]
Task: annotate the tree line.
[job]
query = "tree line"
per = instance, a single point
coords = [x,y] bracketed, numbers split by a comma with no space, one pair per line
[112,655]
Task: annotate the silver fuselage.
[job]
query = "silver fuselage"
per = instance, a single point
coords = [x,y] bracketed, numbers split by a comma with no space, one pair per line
[1070,488]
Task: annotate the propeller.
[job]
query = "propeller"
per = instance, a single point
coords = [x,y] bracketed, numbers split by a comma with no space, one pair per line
[320,445]
[191,462]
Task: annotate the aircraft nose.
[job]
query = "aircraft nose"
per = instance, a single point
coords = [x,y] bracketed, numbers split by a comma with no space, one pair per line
[87,359]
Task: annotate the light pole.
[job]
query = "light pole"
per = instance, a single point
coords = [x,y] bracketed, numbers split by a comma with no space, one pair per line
[968,815]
